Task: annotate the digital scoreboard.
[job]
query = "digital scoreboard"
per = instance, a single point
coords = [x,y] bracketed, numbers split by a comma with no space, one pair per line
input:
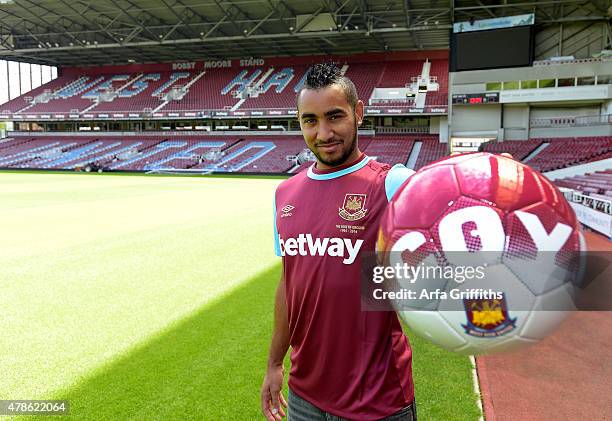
[492,97]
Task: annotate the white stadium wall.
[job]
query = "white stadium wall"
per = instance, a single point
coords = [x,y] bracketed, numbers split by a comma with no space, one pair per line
[544,112]
[484,118]
[478,78]
[581,131]
[513,118]
[577,111]
[439,125]
[516,122]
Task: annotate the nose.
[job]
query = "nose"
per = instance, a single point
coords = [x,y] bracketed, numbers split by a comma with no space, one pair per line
[325,131]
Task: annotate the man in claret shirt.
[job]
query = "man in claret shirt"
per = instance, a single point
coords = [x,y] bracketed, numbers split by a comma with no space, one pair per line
[345,363]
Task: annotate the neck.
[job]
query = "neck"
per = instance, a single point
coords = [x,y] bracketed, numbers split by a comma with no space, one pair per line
[354,156]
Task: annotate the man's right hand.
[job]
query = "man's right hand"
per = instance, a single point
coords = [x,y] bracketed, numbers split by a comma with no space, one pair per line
[272,400]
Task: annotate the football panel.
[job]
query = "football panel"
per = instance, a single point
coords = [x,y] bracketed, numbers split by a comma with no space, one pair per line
[431,326]
[549,311]
[502,181]
[424,197]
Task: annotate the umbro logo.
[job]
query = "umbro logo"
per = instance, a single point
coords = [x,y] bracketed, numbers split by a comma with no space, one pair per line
[287,210]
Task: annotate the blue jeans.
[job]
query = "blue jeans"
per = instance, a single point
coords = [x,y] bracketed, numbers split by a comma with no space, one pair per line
[302,410]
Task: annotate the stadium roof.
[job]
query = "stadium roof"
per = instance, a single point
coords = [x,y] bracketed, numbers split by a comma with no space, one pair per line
[86,32]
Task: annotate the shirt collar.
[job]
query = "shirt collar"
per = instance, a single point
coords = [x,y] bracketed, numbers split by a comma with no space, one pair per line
[335,172]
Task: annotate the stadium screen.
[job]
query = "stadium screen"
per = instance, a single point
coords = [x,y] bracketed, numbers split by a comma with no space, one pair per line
[507,47]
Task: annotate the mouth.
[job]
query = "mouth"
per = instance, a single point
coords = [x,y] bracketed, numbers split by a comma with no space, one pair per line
[329,147]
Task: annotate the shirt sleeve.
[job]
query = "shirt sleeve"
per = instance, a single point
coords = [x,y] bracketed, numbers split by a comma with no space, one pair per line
[277,249]
[395,178]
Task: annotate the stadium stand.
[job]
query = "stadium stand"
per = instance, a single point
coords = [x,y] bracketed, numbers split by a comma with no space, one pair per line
[431,150]
[136,96]
[278,90]
[399,73]
[205,93]
[110,92]
[552,154]
[390,149]
[276,160]
[365,77]
[69,97]
[519,149]
[23,101]
[253,153]
[104,90]
[562,153]
[597,184]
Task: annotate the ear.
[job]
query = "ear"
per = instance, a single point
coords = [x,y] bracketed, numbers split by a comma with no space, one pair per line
[359,111]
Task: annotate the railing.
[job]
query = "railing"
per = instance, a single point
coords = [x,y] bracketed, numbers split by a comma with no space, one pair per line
[218,113]
[402,130]
[589,120]
[570,60]
[166,133]
[402,102]
[602,205]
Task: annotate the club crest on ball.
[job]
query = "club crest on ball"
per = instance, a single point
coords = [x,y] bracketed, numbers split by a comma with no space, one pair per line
[487,317]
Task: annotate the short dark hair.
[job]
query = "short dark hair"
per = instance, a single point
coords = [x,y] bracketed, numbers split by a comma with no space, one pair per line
[325,74]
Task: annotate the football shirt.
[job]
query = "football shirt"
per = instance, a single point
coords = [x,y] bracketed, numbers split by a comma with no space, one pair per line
[351,363]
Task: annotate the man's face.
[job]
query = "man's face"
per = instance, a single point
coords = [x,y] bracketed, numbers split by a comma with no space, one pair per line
[329,125]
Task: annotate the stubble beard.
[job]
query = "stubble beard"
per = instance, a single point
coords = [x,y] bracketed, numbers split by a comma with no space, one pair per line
[345,154]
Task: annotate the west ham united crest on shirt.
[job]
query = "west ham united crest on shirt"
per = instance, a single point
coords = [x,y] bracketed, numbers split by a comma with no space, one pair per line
[351,363]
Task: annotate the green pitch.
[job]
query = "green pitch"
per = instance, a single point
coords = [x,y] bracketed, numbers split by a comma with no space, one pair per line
[148,297]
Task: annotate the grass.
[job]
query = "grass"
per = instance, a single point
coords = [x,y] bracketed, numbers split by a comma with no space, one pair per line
[151,298]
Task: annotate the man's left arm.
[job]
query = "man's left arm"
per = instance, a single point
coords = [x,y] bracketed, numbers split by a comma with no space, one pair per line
[396,176]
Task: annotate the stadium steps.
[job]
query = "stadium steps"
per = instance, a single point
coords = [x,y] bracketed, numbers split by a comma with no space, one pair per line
[229,145]
[13,143]
[194,164]
[88,154]
[535,152]
[414,154]
[195,79]
[248,153]
[59,88]
[238,104]
[565,152]
[152,145]
[129,82]
[160,106]
[107,158]
[228,150]
[12,154]
[87,109]
[276,160]
[50,162]
[143,159]
[37,160]
[186,87]
[390,149]
[260,81]
[119,89]
[79,145]
[519,149]
[431,150]
[183,159]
